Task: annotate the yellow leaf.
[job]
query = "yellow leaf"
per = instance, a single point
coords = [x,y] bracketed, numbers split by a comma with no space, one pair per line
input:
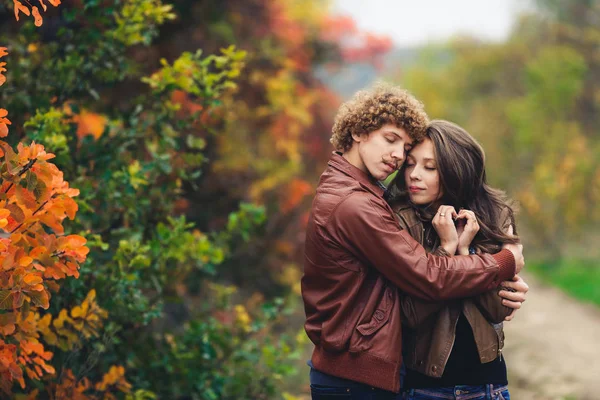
[76,312]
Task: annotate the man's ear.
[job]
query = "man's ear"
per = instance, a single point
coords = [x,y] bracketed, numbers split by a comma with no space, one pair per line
[359,138]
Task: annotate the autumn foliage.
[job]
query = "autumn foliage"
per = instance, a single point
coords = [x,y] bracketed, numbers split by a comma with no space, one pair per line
[194,162]
[36,255]
[31,10]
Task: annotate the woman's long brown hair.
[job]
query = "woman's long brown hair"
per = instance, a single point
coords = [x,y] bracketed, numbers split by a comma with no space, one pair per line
[461,166]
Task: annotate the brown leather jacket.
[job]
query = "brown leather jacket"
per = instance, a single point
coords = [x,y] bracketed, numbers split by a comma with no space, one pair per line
[430,327]
[356,256]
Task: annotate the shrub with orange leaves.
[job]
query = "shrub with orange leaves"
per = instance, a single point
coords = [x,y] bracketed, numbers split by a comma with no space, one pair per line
[34,252]
[135,152]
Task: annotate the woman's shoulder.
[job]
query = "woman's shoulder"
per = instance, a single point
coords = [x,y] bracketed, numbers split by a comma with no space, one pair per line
[406,214]
[401,205]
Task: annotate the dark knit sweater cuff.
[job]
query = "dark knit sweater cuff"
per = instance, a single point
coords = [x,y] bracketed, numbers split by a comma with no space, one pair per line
[506,265]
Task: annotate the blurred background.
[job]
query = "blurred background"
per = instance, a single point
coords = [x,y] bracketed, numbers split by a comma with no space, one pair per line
[196,132]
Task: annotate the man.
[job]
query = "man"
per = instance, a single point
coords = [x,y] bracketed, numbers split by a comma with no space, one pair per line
[356,255]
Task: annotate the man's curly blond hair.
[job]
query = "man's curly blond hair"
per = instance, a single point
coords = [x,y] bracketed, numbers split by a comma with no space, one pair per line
[370,109]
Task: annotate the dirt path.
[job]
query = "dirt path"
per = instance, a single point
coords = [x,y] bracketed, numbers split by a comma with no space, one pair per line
[553,347]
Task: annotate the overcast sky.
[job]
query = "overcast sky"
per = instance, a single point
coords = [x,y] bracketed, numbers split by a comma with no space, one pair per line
[416,22]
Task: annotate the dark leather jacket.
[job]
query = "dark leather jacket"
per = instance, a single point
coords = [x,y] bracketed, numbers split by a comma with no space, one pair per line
[430,327]
[356,256]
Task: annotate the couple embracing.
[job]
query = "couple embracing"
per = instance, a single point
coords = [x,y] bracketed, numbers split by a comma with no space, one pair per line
[406,288]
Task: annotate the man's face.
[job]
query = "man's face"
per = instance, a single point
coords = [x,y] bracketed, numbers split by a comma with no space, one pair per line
[382,151]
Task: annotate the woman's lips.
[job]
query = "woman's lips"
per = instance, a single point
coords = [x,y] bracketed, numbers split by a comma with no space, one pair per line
[415,189]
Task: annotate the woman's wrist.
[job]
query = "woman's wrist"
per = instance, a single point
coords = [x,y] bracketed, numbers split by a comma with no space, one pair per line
[463,251]
[450,247]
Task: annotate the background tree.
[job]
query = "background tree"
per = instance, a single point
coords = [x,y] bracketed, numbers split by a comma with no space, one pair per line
[533,102]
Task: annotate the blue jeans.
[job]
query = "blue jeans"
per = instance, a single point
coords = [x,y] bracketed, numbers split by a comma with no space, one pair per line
[461,392]
[354,392]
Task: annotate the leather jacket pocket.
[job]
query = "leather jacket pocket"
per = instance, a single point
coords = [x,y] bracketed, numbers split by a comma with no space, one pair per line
[379,316]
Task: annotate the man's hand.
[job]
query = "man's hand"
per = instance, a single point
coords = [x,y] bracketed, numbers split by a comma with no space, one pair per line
[513,294]
[517,250]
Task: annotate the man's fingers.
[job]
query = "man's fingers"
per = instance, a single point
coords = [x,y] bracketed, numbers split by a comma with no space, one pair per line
[510,316]
[512,296]
[512,304]
[517,284]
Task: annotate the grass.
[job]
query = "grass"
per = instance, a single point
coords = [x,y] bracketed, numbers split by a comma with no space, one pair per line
[579,278]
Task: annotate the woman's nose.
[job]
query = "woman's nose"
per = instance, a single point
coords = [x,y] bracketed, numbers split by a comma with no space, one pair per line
[414,174]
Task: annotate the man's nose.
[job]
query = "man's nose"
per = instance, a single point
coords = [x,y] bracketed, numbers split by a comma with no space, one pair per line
[398,156]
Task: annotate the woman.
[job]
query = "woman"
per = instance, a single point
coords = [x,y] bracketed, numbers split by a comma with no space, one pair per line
[453,348]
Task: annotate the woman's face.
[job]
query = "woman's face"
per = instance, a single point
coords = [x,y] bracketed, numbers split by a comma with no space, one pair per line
[421,174]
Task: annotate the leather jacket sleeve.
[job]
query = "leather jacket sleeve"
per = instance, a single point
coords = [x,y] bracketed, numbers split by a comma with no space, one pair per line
[491,307]
[414,310]
[369,229]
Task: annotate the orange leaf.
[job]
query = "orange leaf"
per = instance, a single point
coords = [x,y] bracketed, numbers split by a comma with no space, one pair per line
[55,3]
[37,251]
[3,51]
[40,299]
[7,323]
[26,198]
[25,261]
[76,240]
[3,127]
[3,113]
[37,18]
[3,222]
[20,7]
[2,77]
[18,299]
[43,5]
[32,279]
[90,123]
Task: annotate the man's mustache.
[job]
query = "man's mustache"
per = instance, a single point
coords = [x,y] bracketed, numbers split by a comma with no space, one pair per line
[393,162]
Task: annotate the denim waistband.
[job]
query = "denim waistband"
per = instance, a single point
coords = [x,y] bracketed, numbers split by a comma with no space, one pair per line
[461,392]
